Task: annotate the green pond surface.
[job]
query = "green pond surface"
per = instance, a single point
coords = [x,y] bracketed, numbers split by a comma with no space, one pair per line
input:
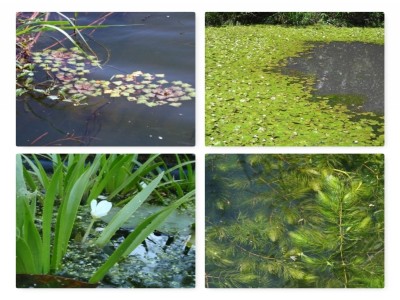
[142,94]
[288,86]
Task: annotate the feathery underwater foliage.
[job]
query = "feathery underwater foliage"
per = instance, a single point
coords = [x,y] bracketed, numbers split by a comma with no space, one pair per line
[295,221]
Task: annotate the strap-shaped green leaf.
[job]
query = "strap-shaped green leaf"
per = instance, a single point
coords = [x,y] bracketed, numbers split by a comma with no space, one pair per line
[136,237]
[123,215]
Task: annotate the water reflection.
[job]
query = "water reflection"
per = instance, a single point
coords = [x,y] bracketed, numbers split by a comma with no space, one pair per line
[345,69]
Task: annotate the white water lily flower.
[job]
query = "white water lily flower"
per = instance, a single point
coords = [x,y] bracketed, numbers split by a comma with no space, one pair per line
[100,209]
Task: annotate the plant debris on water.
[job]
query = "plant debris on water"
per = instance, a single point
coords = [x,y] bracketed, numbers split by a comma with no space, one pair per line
[70,67]
[249,103]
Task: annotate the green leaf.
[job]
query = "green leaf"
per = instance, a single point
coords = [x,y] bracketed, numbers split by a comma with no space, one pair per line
[123,215]
[48,217]
[25,262]
[136,237]
[31,237]
[68,211]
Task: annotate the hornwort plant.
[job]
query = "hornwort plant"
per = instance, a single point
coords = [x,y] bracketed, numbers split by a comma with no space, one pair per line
[294,221]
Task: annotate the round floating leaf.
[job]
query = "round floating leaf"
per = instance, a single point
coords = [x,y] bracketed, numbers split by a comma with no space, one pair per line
[151,104]
[115,94]
[184,98]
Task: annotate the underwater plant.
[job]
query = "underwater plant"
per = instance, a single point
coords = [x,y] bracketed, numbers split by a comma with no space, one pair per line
[280,221]
[48,222]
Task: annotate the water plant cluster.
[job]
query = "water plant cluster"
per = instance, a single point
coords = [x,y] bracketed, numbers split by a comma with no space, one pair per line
[295,221]
[69,70]
[64,74]
[57,194]
[248,102]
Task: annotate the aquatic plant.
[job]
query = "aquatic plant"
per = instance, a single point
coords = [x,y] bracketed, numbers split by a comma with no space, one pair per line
[41,246]
[98,211]
[295,221]
[249,103]
[69,69]
[30,27]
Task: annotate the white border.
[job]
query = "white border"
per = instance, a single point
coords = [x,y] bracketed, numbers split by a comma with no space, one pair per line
[391,148]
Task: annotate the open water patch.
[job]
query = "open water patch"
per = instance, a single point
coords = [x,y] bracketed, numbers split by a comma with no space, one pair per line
[351,74]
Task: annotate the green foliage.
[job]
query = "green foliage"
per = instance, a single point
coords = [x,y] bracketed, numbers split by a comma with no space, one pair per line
[367,19]
[45,222]
[305,221]
[135,238]
[249,103]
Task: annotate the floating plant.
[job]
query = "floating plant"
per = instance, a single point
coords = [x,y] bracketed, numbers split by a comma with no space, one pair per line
[69,68]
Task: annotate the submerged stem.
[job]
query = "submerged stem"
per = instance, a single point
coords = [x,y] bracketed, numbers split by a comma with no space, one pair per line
[88,230]
[341,244]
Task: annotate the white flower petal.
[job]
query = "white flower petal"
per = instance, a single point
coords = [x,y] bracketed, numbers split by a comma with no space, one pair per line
[93,204]
[101,209]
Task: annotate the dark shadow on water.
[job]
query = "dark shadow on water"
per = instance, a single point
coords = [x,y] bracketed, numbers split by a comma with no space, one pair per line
[353,70]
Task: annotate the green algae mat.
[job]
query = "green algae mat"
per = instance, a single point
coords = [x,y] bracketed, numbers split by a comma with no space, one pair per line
[250,102]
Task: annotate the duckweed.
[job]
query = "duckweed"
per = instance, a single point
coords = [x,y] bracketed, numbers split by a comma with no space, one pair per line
[250,104]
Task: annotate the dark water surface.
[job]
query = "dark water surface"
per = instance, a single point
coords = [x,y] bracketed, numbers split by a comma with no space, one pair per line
[344,69]
[164,43]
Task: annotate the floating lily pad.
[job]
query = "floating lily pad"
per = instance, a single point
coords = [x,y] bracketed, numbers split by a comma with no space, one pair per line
[70,69]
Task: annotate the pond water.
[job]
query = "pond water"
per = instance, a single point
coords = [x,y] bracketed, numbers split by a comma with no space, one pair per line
[163,43]
[348,73]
